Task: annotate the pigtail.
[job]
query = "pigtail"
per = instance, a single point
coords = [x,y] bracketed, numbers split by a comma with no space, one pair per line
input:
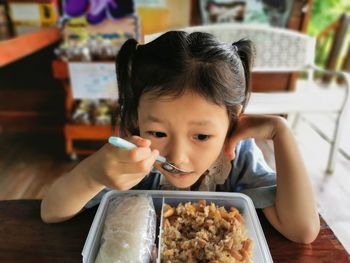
[124,61]
[245,50]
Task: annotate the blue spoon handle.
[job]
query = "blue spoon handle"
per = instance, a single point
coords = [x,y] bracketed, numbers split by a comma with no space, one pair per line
[121,143]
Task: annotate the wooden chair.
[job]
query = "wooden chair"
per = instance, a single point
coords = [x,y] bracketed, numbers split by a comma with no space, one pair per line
[286,51]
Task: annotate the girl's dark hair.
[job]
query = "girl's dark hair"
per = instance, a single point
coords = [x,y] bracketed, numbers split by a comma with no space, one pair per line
[178,61]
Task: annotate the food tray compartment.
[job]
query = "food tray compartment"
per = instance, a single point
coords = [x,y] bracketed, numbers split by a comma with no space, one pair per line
[242,202]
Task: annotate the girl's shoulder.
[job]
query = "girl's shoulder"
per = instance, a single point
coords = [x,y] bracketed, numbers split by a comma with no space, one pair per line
[250,142]
[247,147]
[250,157]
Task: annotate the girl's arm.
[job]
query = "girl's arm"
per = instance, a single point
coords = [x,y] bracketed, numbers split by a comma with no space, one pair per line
[109,167]
[68,195]
[294,214]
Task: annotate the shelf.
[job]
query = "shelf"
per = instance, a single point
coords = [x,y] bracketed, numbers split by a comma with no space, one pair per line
[18,47]
[88,132]
[76,132]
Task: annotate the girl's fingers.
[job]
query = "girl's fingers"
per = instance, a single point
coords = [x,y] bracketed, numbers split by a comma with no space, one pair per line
[128,182]
[142,167]
[241,133]
[133,174]
[137,154]
[128,155]
[230,148]
[139,141]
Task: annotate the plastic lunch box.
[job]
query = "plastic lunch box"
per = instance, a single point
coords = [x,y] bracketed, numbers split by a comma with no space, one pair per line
[242,202]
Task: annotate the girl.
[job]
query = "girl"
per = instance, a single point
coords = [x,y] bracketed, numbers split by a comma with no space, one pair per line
[183,96]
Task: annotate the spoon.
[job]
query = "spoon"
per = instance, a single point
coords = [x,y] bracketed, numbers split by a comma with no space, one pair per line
[121,143]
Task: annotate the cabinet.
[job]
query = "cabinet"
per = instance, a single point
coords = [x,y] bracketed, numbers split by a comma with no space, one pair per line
[76,132]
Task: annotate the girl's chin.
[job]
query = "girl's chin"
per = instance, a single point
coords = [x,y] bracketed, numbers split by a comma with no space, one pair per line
[181,180]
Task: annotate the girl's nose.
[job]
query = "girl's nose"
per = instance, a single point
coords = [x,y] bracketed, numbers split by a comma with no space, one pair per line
[177,152]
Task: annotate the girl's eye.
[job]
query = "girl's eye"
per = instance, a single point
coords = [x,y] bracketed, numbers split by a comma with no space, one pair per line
[157,134]
[201,137]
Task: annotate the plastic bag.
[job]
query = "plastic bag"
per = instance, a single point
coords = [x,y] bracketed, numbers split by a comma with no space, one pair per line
[129,230]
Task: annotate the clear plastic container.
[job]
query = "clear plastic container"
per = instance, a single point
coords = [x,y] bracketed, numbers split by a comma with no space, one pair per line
[242,202]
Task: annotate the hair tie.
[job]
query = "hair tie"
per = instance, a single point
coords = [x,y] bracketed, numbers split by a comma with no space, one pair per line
[235,47]
[137,45]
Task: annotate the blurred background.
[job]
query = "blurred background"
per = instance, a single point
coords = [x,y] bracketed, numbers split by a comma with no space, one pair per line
[42,40]
[325,14]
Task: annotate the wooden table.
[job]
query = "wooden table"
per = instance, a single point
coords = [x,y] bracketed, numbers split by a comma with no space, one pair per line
[25,238]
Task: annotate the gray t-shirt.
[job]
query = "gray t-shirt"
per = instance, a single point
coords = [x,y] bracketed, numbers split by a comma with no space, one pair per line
[249,175]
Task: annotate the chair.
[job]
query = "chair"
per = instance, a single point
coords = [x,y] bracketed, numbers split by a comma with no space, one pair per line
[286,51]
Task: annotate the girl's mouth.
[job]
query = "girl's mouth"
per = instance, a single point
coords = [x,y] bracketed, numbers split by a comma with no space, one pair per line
[178,175]
[171,168]
[164,171]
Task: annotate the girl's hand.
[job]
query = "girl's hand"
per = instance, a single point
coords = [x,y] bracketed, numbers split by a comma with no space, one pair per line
[119,168]
[252,126]
[110,166]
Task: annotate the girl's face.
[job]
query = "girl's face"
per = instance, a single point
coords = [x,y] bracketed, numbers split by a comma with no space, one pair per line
[189,131]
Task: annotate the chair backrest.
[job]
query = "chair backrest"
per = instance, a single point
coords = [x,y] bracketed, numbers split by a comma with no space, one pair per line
[277,49]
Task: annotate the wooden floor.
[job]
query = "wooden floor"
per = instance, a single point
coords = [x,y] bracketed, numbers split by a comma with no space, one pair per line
[30,163]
